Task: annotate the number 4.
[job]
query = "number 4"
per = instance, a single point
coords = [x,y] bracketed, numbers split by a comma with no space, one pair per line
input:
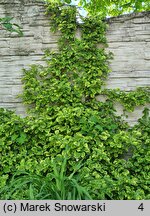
[141,207]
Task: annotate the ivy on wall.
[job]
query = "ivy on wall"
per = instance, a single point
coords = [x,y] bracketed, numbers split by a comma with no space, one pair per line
[66,119]
[130,100]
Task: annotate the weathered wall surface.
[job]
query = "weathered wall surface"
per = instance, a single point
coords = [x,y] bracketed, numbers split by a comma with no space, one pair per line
[128,38]
[16,52]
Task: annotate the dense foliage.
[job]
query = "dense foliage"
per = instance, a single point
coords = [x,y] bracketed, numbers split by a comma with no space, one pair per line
[66,121]
[57,185]
[110,7]
[115,8]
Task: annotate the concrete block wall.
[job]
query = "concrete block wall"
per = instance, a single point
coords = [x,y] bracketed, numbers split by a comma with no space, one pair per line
[128,38]
[16,52]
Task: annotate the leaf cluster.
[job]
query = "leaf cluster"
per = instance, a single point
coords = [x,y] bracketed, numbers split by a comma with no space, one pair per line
[130,100]
[6,23]
[111,7]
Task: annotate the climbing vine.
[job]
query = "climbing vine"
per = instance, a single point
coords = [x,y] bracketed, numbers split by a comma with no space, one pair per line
[130,100]
[65,119]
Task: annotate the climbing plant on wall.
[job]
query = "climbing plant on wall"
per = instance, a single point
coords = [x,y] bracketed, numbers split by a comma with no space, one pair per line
[66,120]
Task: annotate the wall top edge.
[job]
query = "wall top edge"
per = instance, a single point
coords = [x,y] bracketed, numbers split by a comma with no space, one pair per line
[21,2]
[121,18]
[125,17]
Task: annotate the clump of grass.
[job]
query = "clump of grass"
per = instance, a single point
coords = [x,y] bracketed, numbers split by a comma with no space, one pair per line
[54,186]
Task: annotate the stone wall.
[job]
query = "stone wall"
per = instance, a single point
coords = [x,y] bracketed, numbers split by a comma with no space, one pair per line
[128,38]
